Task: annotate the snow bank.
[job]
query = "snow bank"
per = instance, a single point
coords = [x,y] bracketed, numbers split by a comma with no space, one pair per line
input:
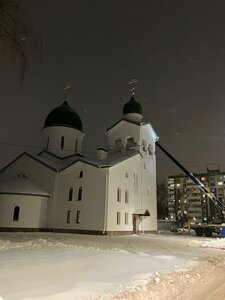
[48,267]
[217,243]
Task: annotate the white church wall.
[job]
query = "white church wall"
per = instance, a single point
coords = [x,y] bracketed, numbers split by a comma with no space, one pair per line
[30,168]
[136,176]
[149,197]
[124,176]
[148,137]
[123,130]
[71,144]
[32,211]
[91,205]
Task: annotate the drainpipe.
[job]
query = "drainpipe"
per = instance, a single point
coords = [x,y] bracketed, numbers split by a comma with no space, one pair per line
[106,198]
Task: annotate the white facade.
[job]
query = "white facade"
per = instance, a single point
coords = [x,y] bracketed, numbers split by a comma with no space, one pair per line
[60,190]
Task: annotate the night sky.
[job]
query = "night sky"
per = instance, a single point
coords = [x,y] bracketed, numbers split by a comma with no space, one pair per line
[175,49]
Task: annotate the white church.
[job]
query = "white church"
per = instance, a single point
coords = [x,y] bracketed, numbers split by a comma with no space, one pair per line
[61,190]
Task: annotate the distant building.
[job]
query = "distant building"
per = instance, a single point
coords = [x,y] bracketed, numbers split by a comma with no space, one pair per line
[62,190]
[185,198]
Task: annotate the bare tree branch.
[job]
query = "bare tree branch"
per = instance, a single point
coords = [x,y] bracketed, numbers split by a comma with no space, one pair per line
[21,39]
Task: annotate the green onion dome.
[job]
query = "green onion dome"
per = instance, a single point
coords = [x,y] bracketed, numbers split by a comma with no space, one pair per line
[64,115]
[132,107]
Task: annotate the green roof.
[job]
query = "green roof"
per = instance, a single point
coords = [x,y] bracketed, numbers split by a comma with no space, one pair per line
[132,107]
[64,115]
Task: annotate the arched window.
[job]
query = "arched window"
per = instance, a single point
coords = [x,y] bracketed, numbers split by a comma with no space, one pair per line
[79,194]
[126,196]
[130,143]
[62,142]
[70,194]
[78,217]
[118,145]
[76,146]
[118,195]
[16,213]
[68,216]
[81,174]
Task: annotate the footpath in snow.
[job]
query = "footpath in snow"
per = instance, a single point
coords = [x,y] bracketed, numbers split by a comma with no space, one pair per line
[46,266]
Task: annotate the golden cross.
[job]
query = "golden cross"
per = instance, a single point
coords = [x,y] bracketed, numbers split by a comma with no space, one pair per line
[132,83]
[66,88]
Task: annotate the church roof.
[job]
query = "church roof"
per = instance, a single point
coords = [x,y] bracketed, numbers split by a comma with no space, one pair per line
[64,115]
[59,164]
[22,186]
[132,106]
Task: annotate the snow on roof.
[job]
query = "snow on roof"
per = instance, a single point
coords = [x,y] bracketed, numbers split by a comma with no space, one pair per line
[60,164]
[23,186]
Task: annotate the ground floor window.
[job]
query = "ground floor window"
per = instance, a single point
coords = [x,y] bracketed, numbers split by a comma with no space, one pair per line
[118,218]
[78,217]
[16,213]
[68,216]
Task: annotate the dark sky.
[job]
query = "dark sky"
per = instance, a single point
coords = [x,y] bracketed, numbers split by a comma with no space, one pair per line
[176,50]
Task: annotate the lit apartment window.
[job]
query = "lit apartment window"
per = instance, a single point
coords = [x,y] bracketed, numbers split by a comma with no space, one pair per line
[126,196]
[70,194]
[68,216]
[118,195]
[16,213]
[81,174]
[78,217]
[118,218]
[126,218]
[79,194]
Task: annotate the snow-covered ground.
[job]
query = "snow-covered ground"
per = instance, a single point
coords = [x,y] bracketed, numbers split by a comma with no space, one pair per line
[48,266]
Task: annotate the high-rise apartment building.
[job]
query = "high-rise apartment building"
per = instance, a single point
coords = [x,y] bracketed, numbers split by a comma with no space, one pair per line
[186,199]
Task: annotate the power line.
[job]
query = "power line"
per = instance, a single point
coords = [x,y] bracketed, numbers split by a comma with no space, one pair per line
[94,152]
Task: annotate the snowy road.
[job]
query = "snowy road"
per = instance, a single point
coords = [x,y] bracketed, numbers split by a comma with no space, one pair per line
[64,266]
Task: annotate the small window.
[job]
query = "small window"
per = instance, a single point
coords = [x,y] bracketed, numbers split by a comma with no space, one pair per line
[70,194]
[81,174]
[76,146]
[135,178]
[16,214]
[118,145]
[24,175]
[47,142]
[80,194]
[118,218]
[118,195]
[130,143]
[68,216]
[126,196]
[126,175]
[126,218]
[62,142]
[78,217]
